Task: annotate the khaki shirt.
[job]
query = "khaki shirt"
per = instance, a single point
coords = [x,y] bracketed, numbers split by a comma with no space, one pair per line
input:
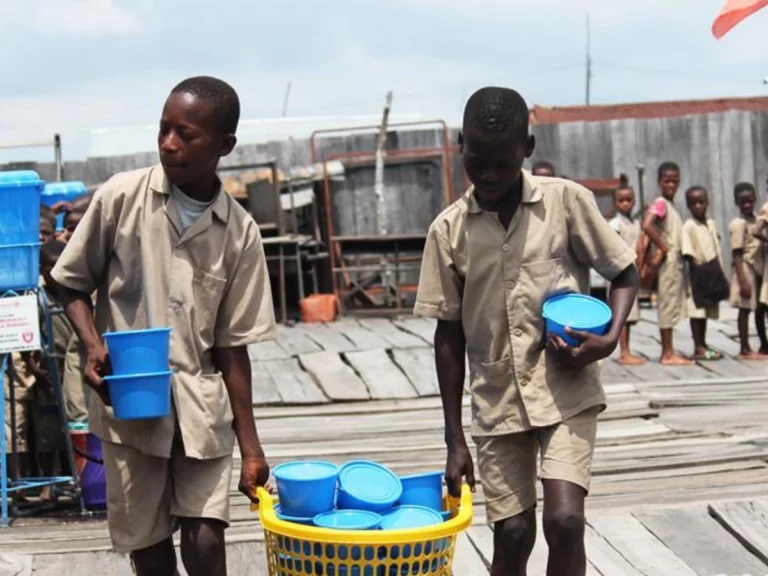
[628,229]
[495,281]
[209,285]
[701,241]
[741,232]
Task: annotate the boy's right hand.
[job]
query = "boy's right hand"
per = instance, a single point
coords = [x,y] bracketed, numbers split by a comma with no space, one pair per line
[96,367]
[745,290]
[458,467]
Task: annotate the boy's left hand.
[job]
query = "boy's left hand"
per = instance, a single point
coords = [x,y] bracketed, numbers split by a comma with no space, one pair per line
[591,348]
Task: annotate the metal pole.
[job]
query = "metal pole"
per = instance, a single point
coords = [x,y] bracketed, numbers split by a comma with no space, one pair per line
[4,454]
[641,188]
[285,100]
[381,206]
[57,154]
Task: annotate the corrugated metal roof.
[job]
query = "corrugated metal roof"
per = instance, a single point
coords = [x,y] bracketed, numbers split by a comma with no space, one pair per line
[558,115]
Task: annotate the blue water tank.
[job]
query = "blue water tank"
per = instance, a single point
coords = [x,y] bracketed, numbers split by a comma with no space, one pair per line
[20,193]
[62,191]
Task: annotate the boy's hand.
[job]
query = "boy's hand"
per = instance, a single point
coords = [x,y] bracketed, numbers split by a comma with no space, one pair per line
[745,290]
[254,473]
[458,467]
[96,367]
[591,348]
[657,259]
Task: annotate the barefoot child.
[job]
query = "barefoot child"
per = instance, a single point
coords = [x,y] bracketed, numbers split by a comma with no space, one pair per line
[628,229]
[747,269]
[664,228]
[490,262]
[168,246]
[701,244]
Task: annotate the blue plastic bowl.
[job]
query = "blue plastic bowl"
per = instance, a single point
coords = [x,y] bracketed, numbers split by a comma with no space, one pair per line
[306,488]
[294,519]
[140,396]
[408,517]
[365,485]
[138,351]
[578,312]
[348,520]
[423,490]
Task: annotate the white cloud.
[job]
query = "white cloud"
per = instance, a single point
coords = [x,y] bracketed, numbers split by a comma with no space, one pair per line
[84,18]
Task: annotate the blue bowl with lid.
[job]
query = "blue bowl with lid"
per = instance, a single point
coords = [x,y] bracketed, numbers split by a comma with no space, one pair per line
[306,488]
[578,312]
[365,485]
[423,490]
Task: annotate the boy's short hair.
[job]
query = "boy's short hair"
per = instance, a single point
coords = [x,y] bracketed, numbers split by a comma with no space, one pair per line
[692,189]
[47,214]
[668,167]
[80,205]
[743,187]
[621,188]
[221,94]
[50,252]
[544,165]
[494,110]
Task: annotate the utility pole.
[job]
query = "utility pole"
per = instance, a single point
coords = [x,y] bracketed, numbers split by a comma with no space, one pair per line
[381,206]
[285,99]
[589,61]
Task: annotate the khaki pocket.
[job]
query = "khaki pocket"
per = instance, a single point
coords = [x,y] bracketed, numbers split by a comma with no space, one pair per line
[208,292]
[217,406]
[490,374]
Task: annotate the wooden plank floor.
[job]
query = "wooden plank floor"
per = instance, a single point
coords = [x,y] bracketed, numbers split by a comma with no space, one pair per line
[679,477]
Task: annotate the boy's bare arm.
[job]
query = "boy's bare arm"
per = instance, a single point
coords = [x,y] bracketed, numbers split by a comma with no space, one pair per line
[235,367]
[79,310]
[653,234]
[745,290]
[450,347]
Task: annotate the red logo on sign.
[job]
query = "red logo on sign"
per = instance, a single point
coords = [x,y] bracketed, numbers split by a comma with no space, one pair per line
[27,337]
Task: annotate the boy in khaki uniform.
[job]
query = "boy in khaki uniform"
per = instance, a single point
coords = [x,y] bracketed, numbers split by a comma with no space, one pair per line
[167,246]
[747,270]
[490,261]
[628,229]
[664,228]
[701,244]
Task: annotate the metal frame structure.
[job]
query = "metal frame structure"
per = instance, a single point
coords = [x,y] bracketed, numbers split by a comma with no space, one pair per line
[7,486]
[383,245]
[56,143]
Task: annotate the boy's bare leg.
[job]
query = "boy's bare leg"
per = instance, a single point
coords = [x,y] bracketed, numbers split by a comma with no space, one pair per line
[513,541]
[668,355]
[157,560]
[564,526]
[626,357]
[202,547]
[760,314]
[746,349]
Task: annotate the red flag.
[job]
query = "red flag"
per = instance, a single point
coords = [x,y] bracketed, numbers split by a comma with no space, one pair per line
[734,12]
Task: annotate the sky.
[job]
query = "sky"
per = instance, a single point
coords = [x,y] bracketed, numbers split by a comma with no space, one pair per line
[72,66]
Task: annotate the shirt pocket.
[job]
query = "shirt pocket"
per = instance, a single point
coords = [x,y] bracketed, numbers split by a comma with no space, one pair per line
[490,375]
[538,282]
[208,291]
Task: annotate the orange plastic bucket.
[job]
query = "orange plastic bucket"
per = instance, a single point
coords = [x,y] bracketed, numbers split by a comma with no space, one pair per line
[319,308]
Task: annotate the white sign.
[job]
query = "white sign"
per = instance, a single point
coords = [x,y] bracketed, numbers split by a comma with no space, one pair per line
[19,324]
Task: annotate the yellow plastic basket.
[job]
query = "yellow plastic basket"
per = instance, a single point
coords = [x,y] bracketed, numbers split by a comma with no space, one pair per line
[298,550]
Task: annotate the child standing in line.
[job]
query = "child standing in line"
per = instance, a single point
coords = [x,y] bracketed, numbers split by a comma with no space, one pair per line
[664,228]
[747,270]
[628,228]
[701,244]
[491,260]
[543,168]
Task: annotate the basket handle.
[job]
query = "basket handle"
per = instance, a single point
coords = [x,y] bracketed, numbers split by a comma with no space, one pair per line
[261,493]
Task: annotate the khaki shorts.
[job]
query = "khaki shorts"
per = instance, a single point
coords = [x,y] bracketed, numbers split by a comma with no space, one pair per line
[507,464]
[701,313]
[755,281]
[146,495]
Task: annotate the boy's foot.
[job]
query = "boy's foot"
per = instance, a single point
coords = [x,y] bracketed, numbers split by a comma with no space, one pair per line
[46,494]
[750,355]
[675,360]
[631,360]
[708,355]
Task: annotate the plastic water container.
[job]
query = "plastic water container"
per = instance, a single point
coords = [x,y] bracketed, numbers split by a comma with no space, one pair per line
[423,490]
[140,396]
[55,192]
[19,229]
[306,488]
[365,485]
[138,351]
[90,466]
[578,312]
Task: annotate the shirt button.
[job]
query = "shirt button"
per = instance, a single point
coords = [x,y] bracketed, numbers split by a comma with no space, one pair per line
[505,247]
[523,382]
[176,305]
[510,285]
[518,332]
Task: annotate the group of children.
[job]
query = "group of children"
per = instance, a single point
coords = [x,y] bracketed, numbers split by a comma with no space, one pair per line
[678,250]
[34,415]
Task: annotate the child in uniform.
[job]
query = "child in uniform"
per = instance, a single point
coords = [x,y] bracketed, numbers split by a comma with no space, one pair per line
[701,243]
[543,168]
[747,270]
[167,246]
[491,260]
[628,228]
[664,228]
